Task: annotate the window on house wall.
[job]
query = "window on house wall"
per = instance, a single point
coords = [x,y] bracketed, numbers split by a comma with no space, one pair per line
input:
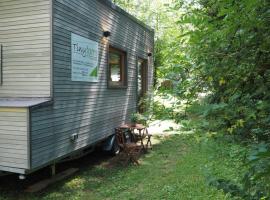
[117,68]
[142,83]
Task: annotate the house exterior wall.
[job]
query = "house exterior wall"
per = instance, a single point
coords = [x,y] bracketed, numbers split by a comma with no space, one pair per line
[88,109]
[25,32]
[30,34]
[14,146]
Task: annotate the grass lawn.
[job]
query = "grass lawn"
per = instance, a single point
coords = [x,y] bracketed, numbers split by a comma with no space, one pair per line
[177,168]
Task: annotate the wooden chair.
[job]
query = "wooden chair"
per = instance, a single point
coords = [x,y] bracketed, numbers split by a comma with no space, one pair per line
[143,134]
[130,149]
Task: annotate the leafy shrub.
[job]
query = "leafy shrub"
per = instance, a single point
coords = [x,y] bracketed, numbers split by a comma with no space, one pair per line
[257,179]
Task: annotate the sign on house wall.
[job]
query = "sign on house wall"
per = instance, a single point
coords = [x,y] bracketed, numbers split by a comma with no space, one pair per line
[84,59]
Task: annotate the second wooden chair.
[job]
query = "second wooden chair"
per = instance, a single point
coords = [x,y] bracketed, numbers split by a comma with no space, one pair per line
[131,149]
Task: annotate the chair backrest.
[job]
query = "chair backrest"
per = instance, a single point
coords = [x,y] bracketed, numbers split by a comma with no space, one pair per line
[120,137]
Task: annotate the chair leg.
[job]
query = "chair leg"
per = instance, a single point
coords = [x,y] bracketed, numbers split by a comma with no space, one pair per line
[149,143]
[130,157]
[148,137]
[127,161]
[135,155]
[135,160]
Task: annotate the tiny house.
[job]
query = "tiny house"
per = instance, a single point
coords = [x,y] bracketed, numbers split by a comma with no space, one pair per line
[70,72]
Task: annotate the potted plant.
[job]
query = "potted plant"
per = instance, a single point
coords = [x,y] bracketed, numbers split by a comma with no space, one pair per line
[134,118]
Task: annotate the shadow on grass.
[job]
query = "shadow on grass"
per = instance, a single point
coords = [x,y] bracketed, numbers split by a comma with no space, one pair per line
[13,188]
[95,170]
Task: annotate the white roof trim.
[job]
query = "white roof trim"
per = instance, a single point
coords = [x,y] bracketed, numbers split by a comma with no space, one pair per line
[22,102]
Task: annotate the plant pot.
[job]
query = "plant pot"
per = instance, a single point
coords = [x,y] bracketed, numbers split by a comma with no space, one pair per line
[133,124]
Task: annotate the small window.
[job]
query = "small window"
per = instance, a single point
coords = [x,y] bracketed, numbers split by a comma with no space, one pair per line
[117,68]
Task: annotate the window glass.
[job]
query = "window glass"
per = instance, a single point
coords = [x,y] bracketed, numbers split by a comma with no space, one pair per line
[139,76]
[117,68]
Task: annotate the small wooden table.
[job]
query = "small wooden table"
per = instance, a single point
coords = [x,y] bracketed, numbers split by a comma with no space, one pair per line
[140,135]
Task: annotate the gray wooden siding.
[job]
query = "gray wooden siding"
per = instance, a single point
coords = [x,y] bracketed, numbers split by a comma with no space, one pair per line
[25,35]
[89,109]
[13,138]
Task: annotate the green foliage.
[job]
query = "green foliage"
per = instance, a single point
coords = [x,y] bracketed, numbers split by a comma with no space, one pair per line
[153,105]
[138,118]
[135,117]
[257,179]
[255,184]
[228,46]
[162,112]
[154,14]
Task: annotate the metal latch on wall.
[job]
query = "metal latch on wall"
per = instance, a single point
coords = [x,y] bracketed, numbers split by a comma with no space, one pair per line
[74,137]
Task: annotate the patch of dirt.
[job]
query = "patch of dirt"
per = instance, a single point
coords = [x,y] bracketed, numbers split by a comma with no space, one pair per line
[11,185]
[114,161]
